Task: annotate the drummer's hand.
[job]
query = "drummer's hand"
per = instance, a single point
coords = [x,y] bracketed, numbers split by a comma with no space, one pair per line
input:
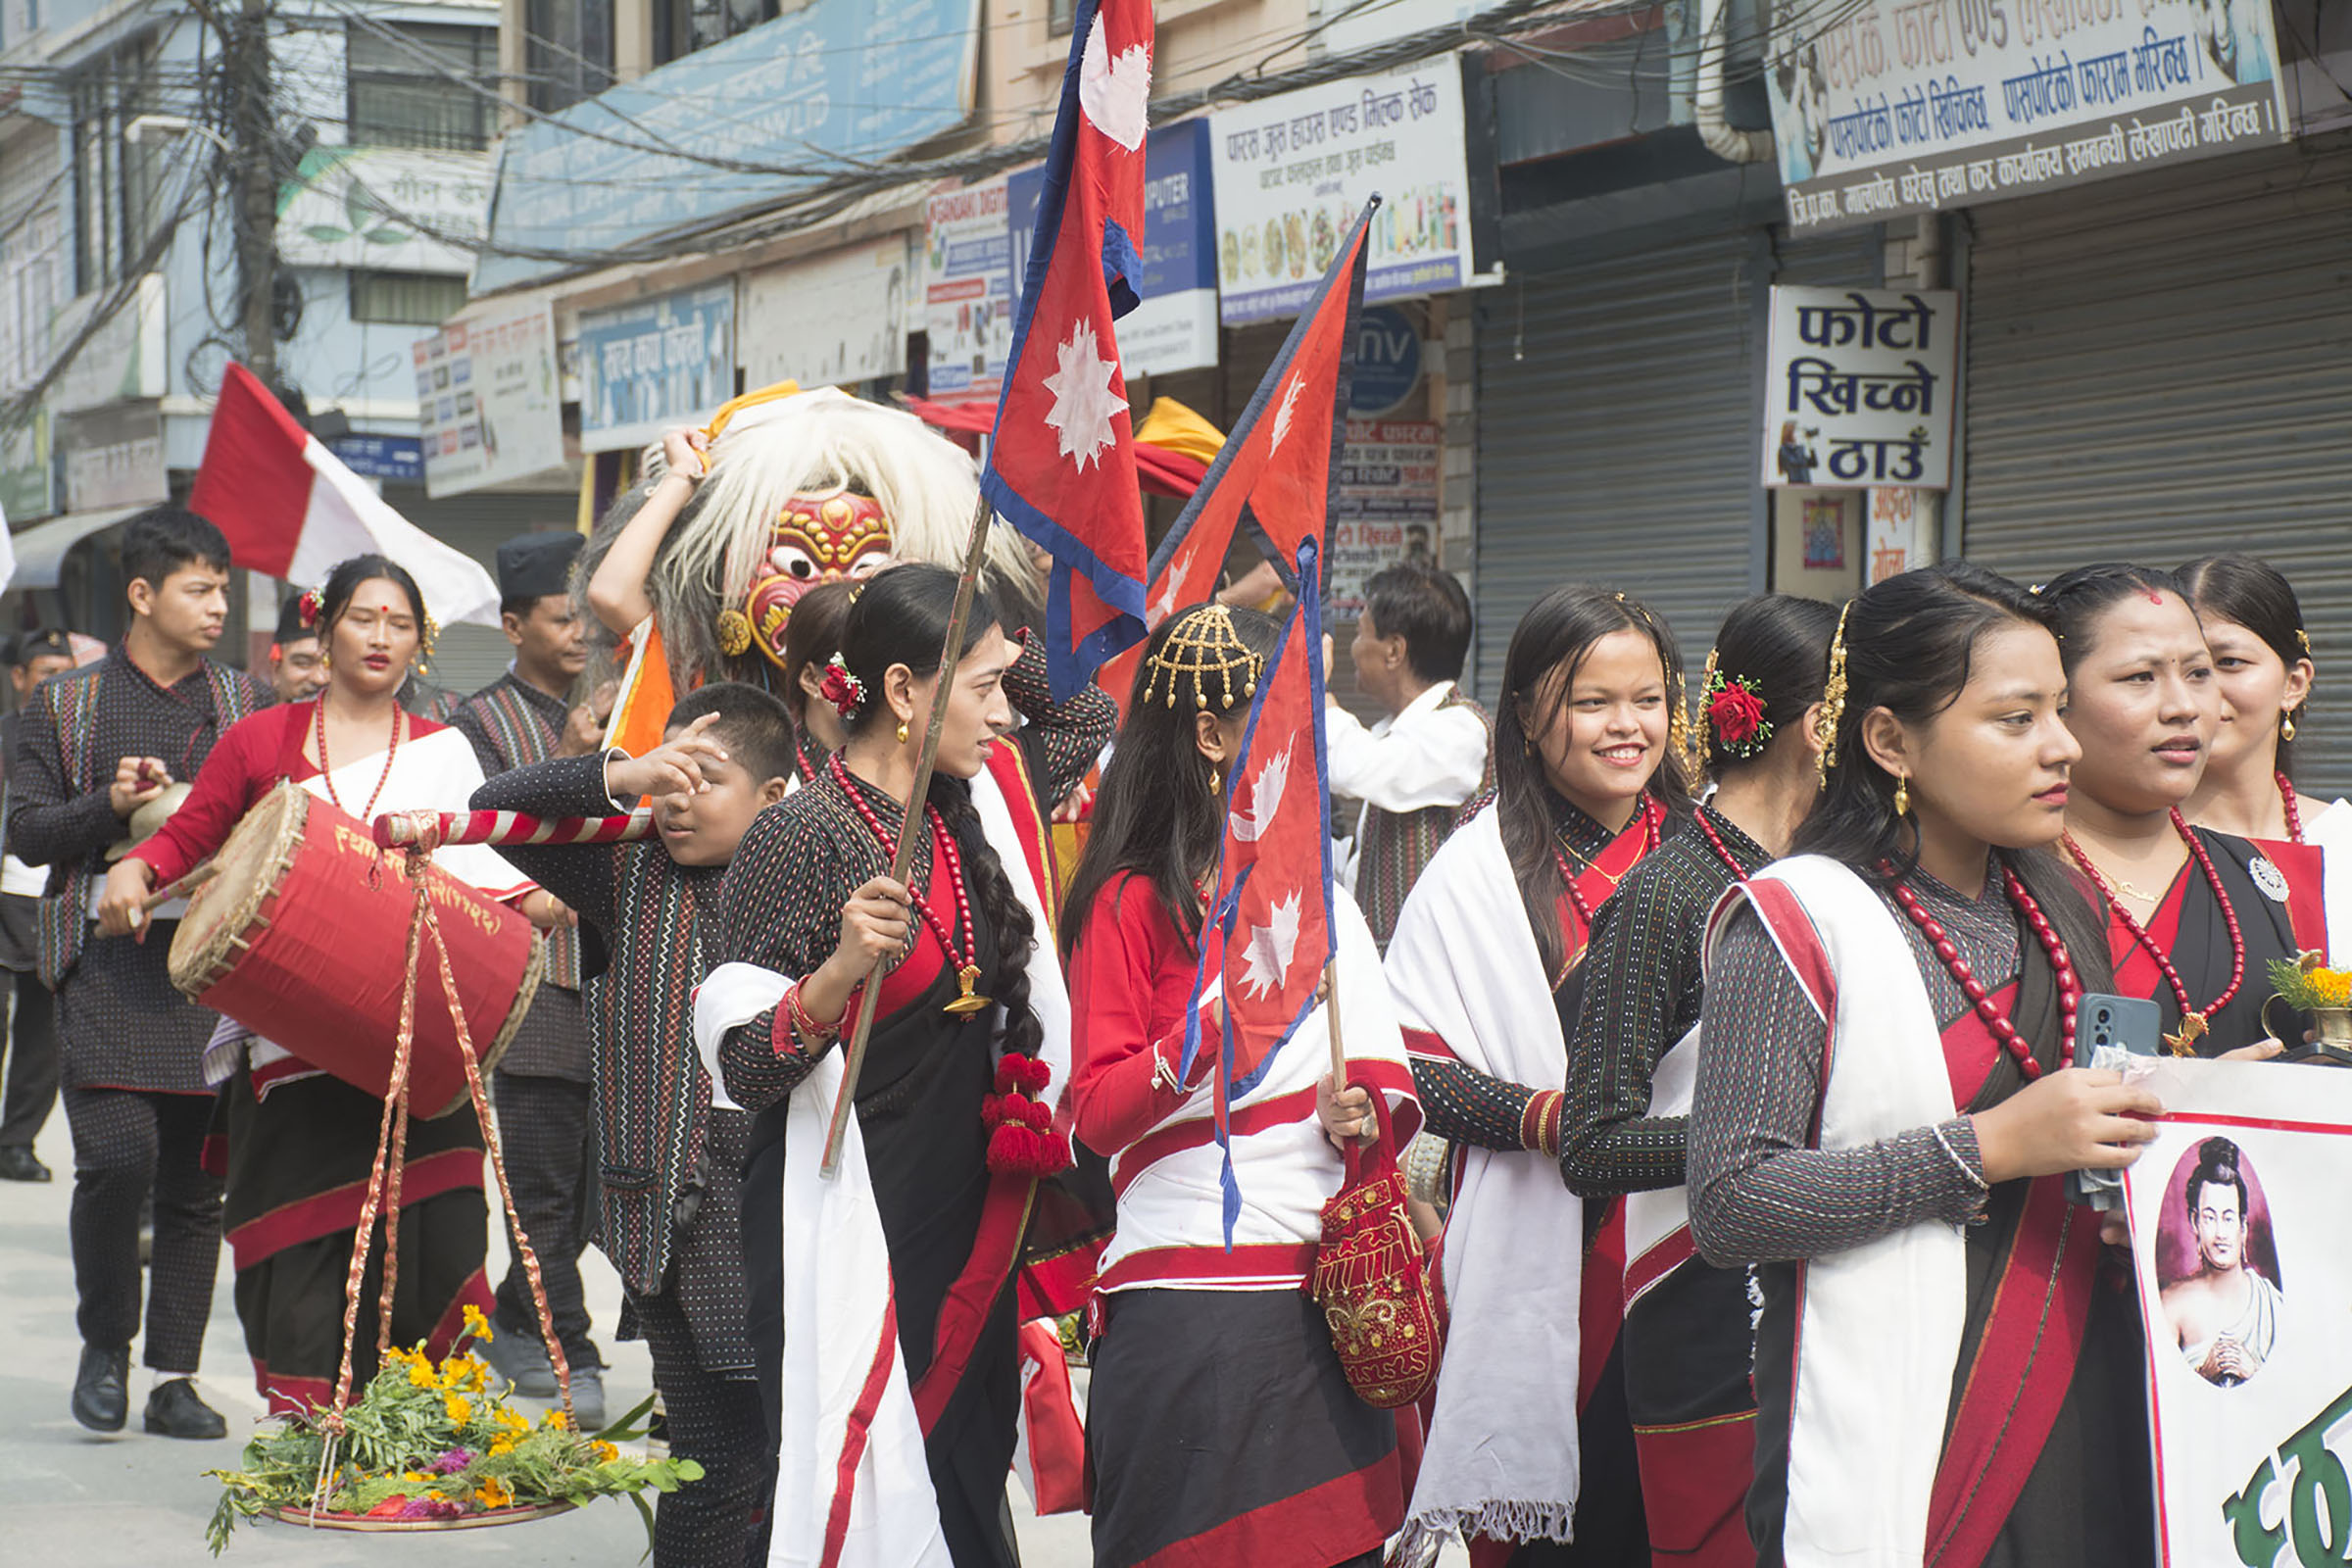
[582,733]
[137,780]
[674,767]
[122,907]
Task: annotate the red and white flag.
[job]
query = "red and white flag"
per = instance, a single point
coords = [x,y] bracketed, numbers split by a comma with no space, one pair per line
[291,510]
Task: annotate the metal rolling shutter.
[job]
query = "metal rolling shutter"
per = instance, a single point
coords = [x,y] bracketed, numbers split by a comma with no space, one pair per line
[2161,367]
[469,658]
[1617,429]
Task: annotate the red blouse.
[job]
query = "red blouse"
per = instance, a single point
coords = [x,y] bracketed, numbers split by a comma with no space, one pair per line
[1131,977]
[251,759]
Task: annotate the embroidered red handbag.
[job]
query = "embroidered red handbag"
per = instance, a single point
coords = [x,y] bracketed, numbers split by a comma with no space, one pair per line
[1372,1280]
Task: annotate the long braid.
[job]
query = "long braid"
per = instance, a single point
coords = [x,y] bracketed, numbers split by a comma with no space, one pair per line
[997,904]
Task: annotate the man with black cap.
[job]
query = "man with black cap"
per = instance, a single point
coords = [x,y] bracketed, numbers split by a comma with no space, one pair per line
[31,1040]
[297,663]
[542,1083]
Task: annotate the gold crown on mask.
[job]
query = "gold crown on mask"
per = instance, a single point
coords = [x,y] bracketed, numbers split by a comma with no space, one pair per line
[1204,643]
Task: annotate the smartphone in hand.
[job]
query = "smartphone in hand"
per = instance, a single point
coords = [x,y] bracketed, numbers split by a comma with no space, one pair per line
[2109,1031]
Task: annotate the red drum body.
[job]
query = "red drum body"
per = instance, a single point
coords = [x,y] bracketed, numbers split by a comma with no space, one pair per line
[303,939]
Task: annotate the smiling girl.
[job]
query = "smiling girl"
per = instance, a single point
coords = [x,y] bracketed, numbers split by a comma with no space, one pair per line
[1486,967]
[2193,915]
[1883,1114]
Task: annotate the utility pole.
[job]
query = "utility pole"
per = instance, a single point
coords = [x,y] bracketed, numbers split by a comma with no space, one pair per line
[253,130]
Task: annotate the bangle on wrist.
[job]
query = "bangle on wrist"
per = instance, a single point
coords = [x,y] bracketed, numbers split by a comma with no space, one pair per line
[1539,1122]
[1975,1177]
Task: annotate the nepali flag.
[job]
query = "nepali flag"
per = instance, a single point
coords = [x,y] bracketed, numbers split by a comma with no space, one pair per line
[1275,473]
[1063,467]
[291,510]
[1272,909]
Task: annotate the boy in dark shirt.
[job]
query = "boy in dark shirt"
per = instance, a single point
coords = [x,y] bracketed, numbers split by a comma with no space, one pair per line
[667,1200]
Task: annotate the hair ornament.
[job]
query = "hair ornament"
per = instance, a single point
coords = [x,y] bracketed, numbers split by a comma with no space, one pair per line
[1204,642]
[2303,638]
[1833,699]
[309,607]
[844,691]
[1733,706]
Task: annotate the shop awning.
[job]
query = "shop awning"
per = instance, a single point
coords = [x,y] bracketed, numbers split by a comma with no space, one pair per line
[41,550]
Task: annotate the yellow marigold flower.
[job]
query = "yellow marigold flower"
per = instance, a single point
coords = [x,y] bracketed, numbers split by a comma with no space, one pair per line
[421,1373]
[605,1453]
[493,1493]
[501,1444]
[478,1325]
[415,1474]
[460,1408]
[559,1420]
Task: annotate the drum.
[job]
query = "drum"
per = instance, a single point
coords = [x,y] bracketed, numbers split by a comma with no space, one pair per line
[303,939]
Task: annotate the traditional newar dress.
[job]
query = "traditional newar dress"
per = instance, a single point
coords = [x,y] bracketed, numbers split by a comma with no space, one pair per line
[1529,1440]
[300,1144]
[898,1269]
[1221,1428]
[1946,1374]
[2275,889]
[1632,1060]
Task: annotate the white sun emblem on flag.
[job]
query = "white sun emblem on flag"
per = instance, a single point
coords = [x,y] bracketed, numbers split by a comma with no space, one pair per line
[1163,603]
[1265,799]
[1282,415]
[1086,397]
[1272,946]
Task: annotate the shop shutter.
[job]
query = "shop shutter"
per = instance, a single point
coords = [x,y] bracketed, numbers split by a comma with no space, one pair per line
[1617,429]
[469,658]
[2160,367]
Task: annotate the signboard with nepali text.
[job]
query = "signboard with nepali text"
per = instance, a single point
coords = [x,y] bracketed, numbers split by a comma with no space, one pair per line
[2237,1242]
[1858,387]
[1385,508]
[489,408]
[969,291]
[651,365]
[1909,106]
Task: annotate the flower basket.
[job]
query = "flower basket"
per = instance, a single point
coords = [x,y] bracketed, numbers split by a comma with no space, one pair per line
[433,1447]
[2306,983]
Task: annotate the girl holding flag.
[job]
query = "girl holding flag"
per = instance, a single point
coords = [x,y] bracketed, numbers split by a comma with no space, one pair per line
[1221,1426]
[1485,968]
[880,1298]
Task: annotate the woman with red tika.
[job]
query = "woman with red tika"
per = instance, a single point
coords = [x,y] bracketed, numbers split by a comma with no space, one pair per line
[1530,1445]
[1948,1362]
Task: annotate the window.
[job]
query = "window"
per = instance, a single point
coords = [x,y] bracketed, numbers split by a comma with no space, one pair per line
[406,299]
[567,55]
[30,261]
[1060,16]
[423,85]
[682,27]
[116,186]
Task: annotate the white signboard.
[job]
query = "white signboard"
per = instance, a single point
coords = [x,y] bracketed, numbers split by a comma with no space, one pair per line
[829,320]
[1889,108]
[1858,388]
[968,292]
[123,358]
[2238,1240]
[489,409]
[1293,173]
[1385,512]
[386,209]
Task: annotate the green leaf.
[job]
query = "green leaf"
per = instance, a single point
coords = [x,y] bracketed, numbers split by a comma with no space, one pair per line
[645,1512]
[326,233]
[389,236]
[355,204]
[624,1429]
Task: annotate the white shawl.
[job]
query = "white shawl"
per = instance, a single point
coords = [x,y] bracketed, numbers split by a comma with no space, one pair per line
[1501,1458]
[2331,831]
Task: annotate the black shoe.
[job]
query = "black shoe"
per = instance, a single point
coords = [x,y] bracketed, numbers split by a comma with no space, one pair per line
[100,1401]
[177,1411]
[18,1164]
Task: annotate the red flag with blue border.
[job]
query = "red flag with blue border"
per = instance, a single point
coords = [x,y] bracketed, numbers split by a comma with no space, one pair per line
[1062,467]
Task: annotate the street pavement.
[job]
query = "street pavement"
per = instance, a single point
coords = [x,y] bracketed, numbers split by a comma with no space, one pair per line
[73,1499]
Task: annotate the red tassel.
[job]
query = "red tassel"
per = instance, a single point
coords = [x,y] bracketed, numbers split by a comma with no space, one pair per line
[1038,1115]
[1022,1072]
[992,1110]
[1006,1074]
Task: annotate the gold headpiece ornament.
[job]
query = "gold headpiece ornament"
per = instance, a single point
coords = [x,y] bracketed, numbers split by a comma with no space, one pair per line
[2304,638]
[1696,754]
[1201,644]
[1833,699]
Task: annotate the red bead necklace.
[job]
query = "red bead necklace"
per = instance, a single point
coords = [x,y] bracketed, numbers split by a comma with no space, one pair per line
[326,773]
[2070,989]
[1723,851]
[951,866]
[1653,817]
[2194,1021]
[2295,807]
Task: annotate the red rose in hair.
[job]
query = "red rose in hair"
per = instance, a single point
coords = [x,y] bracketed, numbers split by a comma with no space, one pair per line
[1736,714]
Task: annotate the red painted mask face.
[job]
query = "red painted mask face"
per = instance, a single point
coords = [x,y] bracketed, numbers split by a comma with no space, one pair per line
[817,539]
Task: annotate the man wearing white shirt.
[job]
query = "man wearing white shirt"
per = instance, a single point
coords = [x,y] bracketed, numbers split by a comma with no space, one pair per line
[1416,768]
[31,1033]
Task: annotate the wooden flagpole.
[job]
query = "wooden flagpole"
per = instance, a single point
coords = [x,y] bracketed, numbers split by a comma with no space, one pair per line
[950,653]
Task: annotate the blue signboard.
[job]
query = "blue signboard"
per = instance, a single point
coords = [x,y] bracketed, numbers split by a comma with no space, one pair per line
[654,364]
[1175,328]
[1388,360]
[825,90]
[398,458]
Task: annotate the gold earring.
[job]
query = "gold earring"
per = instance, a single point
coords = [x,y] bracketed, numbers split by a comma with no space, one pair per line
[1902,795]
[1216,781]
[902,732]
[2286,724]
